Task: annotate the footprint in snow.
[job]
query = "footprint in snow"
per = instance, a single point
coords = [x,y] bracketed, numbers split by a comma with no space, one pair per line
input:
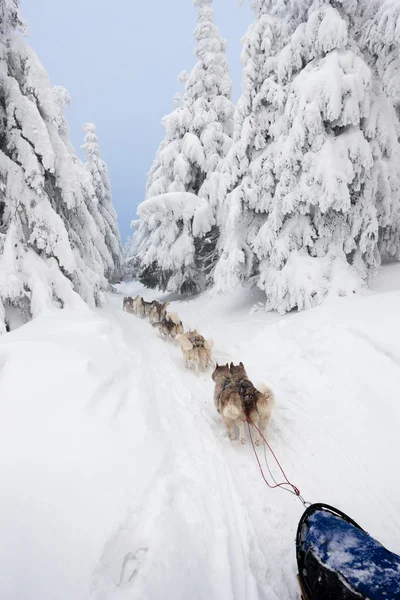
[131,565]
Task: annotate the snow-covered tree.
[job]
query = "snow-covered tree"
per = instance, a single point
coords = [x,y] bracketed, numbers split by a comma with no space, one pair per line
[176,222]
[47,252]
[131,265]
[102,207]
[322,196]
[240,193]
[197,138]
[378,33]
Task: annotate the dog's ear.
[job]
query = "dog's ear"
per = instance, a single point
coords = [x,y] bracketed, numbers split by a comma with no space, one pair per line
[227,365]
[241,365]
[231,365]
[216,365]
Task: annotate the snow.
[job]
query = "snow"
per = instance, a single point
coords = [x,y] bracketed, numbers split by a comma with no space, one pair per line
[181,205]
[119,480]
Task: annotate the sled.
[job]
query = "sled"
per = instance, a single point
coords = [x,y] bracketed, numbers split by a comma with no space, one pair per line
[338,560]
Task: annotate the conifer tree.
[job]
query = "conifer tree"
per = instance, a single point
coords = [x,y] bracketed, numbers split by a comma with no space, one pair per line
[47,252]
[197,138]
[321,197]
[242,192]
[102,207]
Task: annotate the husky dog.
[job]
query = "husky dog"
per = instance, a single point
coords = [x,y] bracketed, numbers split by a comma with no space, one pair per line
[157,311]
[170,325]
[134,305]
[196,350]
[146,308]
[229,402]
[257,403]
[128,304]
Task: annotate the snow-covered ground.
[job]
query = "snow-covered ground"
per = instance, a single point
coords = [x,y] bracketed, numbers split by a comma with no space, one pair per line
[119,481]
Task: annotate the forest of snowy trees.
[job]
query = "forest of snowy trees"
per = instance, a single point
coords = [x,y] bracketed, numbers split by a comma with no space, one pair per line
[58,231]
[296,189]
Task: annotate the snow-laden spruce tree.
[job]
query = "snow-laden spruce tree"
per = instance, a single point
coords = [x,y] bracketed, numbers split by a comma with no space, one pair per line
[47,252]
[197,138]
[102,207]
[131,266]
[378,33]
[242,195]
[327,188]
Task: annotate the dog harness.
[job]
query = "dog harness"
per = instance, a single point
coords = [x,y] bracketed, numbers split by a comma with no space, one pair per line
[168,323]
[226,383]
[246,390]
[198,341]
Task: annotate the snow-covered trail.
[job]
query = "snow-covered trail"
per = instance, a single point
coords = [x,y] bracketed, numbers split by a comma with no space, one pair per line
[202,526]
[119,481]
[327,375]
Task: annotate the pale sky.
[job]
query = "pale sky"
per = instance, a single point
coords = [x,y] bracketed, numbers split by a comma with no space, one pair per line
[120,62]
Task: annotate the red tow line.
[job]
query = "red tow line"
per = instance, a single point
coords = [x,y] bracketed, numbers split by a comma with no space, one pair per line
[285,483]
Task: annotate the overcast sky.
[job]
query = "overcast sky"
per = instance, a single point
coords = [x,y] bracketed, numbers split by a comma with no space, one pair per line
[120,62]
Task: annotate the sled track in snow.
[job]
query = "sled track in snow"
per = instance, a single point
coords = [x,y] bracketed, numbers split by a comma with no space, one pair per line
[206,504]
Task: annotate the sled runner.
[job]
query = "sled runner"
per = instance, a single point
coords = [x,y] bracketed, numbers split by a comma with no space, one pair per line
[337,560]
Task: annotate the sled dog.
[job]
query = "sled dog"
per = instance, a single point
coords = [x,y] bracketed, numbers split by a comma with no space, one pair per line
[128,304]
[229,402]
[196,349]
[258,402]
[134,305]
[146,308]
[170,325]
[157,311]
[237,399]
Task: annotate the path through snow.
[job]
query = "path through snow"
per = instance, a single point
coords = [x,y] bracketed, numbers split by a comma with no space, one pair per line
[120,481]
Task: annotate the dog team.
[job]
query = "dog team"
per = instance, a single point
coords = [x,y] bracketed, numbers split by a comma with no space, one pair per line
[235,397]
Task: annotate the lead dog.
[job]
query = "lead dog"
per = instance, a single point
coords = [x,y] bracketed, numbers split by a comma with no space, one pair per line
[134,305]
[196,349]
[128,303]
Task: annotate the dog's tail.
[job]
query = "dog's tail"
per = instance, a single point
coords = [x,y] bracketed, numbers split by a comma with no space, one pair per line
[232,411]
[268,394]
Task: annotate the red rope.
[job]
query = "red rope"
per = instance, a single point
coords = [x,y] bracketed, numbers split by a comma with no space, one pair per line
[282,485]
